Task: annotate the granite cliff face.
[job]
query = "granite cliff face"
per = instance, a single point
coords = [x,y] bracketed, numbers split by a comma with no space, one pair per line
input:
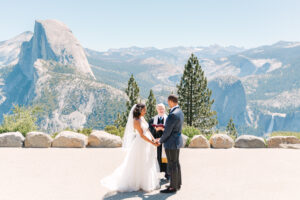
[230,100]
[53,40]
[53,72]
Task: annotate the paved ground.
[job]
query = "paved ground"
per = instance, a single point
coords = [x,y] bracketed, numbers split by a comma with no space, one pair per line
[208,174]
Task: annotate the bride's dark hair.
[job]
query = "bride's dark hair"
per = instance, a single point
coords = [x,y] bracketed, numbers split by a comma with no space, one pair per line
[138,110]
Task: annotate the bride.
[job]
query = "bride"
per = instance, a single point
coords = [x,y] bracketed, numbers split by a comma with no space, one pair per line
[139,169]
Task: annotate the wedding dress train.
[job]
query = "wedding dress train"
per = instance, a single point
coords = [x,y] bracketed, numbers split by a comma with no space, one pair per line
[140,169]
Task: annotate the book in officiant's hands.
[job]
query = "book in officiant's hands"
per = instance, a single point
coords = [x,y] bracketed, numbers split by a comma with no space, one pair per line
[158,125]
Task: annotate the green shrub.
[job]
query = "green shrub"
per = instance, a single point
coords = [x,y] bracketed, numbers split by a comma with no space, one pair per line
[85,131]
[190,131]
[115,130]
[233,137]
[68,129]
[285,133]
[231,130]
[23,119]
[208,135]
[54,134]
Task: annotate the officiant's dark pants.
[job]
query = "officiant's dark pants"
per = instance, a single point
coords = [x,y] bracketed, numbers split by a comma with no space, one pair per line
[174,167]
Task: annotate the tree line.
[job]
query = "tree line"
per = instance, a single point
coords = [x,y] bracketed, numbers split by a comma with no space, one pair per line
[194,98]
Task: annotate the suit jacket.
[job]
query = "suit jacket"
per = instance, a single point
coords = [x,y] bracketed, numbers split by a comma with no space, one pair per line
[171,137]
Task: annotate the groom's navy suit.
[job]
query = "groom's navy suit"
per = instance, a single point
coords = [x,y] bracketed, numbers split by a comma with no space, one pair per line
[172,135]
[172,142]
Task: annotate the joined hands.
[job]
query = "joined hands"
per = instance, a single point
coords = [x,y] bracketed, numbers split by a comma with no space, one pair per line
[156,142]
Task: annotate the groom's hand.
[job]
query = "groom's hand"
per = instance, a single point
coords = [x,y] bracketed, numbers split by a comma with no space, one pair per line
[157,141]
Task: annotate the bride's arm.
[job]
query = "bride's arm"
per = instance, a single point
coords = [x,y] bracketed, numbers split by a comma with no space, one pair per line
[138,127]
[151,135]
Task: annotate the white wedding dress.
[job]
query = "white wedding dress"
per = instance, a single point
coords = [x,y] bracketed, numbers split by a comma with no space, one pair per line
[140,169]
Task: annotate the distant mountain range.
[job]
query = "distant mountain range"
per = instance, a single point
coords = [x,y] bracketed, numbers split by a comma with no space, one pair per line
[258,87]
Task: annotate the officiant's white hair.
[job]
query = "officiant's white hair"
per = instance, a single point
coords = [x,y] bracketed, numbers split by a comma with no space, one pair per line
[160,105]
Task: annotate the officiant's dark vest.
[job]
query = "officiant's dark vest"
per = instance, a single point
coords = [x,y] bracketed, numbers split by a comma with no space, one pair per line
[160,121]
[156,134]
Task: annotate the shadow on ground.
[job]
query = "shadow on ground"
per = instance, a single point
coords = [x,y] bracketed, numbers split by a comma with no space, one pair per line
[138,194]
[155,195]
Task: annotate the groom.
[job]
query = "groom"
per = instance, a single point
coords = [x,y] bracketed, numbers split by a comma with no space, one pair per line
[172,142]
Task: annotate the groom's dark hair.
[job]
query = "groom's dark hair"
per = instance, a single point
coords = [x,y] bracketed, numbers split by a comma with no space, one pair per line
[173,98]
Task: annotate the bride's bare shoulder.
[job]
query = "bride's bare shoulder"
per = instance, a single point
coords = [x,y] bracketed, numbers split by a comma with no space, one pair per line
[136,121]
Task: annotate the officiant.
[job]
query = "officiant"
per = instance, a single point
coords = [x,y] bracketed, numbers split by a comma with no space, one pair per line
[156,126]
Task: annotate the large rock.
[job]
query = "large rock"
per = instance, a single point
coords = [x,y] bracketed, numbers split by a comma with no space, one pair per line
[250,141]
[221,141]
[275,141]
[38,140]
[70,139]
[199,141]
[184,140]
[104,139]
[11,139]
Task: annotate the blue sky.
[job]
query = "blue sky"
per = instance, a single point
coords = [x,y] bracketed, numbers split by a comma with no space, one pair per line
[108,24]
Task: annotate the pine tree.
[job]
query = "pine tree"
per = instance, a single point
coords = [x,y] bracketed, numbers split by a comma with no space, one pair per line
[151,106]
[230,128]
[133,93]
[194,96]
[119,120]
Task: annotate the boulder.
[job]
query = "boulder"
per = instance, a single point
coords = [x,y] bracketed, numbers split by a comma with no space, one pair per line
[104,139]
[199,141]
[249,141]
[70,139]
[221,141]
[11,139]
[184,140]
[275,141]
[38,140]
